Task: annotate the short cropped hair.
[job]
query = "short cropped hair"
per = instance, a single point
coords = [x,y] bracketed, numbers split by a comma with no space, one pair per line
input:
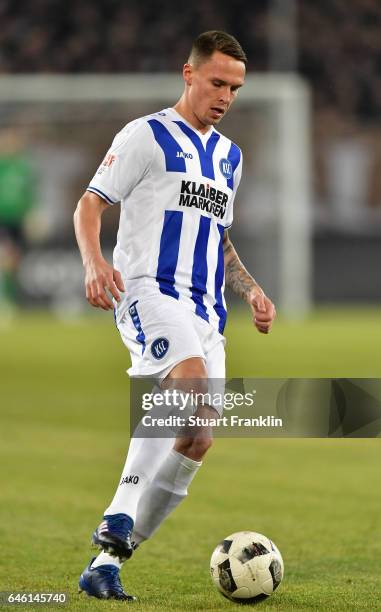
[215,40]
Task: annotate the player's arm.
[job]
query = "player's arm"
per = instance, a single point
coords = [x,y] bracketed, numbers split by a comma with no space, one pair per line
[99,274]
[244,285]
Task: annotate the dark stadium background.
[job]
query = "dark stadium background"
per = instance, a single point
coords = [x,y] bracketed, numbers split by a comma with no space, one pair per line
[336,49]
[64,394]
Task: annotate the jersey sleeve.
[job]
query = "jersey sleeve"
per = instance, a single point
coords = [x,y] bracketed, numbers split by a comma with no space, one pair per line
[125,163]
[237,173]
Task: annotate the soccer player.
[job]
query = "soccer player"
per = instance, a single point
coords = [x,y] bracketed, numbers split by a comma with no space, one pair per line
[176,178]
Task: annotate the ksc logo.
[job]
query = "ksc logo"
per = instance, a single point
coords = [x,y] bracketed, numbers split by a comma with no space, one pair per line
[159,348]
[226,168]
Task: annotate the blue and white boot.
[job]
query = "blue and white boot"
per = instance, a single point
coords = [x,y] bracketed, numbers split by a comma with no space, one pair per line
[103,582]
[113,535]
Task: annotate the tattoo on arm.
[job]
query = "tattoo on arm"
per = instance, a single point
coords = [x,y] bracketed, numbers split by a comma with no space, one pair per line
[236,275]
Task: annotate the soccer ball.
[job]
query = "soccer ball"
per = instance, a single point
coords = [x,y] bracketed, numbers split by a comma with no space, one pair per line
[246,567]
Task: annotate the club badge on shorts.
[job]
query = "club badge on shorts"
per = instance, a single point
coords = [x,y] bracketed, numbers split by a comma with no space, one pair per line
[159,348]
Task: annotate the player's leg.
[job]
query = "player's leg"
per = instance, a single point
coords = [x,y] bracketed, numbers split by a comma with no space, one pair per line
[170,484]
[157,492]
[113,535]
[101,576]
[161,319]
[174,476]
[145,454]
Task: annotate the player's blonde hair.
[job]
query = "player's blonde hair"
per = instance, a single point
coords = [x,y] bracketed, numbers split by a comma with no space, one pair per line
[215,40]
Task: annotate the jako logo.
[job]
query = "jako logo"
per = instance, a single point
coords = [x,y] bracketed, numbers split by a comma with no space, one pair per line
[184,155]
[159,347]
[226,168]
[129,480]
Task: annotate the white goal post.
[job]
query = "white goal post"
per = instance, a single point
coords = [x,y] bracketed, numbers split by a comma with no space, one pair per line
[289,98]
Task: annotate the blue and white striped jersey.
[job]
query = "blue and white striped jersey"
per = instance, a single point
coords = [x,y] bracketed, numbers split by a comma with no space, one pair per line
[176,187]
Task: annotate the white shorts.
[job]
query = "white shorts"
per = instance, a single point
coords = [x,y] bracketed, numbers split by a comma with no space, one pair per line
[160,332]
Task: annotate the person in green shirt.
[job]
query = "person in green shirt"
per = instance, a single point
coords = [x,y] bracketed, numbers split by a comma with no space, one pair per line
[17,197]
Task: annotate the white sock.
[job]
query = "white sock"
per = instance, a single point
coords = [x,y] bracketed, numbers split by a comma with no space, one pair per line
[144,456]
[143,459]
[105,559]
[161,496]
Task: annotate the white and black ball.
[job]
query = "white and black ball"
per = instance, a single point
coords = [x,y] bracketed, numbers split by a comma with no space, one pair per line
[246,566]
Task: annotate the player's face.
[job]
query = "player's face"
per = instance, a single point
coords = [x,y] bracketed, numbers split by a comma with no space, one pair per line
[213,87]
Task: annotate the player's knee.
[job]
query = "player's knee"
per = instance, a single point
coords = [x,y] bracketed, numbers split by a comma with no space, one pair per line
[201,445]
[193,447]
[191,380]
[192,372]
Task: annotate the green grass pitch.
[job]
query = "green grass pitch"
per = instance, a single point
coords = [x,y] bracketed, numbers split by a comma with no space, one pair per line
[64,434]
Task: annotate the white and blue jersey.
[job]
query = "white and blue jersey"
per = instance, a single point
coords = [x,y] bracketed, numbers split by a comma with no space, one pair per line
[176,187]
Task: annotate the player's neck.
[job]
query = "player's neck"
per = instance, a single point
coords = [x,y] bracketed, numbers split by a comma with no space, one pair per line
[183,109]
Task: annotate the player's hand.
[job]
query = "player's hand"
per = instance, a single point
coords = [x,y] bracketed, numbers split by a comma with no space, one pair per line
[99,277]
[263,310]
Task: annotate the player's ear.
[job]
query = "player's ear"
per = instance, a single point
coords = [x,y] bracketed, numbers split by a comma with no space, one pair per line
[187,73]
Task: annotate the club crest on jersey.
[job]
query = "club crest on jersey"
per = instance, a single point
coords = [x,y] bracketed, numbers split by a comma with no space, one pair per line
[159,348]
[226,168]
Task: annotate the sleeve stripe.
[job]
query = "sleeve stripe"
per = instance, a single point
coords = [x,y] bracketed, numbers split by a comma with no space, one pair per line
[99,192]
